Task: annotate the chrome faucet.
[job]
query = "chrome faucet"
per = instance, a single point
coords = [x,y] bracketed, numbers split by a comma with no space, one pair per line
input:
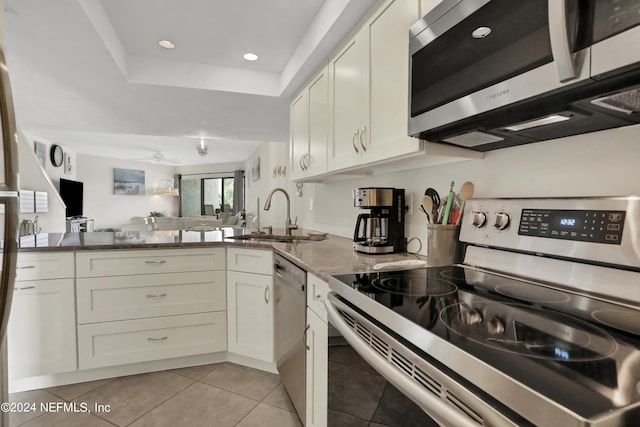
[288,226]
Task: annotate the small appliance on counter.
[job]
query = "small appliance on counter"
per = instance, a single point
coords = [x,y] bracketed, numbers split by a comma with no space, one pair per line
[381,231]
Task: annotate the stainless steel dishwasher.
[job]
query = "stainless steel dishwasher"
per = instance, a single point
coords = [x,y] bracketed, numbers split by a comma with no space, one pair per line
[291,320]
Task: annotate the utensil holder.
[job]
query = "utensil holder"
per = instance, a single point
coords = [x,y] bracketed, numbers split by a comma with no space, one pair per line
[443,245]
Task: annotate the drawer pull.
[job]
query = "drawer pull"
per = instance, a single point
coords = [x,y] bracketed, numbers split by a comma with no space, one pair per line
[155,262]
[151,339]
[24,288]
[26,267]
[155,296]
[266,295]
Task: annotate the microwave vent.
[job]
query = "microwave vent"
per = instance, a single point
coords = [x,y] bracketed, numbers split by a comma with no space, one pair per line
[473,139]
[625,102]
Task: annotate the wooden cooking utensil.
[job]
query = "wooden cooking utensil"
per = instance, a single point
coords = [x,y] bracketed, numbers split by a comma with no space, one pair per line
[427,206]
[466,192]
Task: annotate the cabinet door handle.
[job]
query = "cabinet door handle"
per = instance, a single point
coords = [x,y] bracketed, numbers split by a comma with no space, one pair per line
[353,141]
[155,262]
[362,144]
[24,288]
[319,298]
[307,161]
[301,163]
[26,267]
[151,339]
[266,295]
[155,296]
[304,337]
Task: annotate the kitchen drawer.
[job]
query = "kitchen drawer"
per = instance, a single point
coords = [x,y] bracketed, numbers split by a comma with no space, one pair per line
[101,299]
[317,290]
[133,341]
[127,262]
[44,265]
[250,260]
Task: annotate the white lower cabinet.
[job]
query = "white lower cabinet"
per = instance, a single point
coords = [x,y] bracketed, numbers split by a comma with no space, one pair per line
[41,333]
[251,315]
[141,305]
[131,341]
[317,364]
[317,370]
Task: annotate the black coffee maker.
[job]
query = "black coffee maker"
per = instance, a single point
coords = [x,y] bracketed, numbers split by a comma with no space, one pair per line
[381,231]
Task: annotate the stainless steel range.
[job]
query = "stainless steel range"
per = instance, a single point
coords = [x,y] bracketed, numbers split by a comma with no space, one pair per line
[539,326]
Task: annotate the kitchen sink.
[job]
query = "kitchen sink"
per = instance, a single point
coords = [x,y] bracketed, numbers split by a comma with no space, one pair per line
[282,237]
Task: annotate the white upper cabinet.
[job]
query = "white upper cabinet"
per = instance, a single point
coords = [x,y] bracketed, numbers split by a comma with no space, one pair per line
[388,85]
[367,105]
[349,73]
[370,90]
[310,128]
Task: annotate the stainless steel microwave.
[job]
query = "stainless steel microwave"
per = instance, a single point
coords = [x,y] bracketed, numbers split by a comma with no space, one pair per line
[489,74]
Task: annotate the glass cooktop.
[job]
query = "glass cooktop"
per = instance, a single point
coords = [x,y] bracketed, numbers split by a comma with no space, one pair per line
[581,349]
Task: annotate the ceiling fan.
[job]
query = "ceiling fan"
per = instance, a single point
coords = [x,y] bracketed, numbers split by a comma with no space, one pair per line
[157,157]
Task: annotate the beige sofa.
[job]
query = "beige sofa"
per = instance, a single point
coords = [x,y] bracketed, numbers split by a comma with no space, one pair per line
[200,223]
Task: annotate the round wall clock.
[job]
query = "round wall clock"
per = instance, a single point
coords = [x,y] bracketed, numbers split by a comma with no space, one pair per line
[57,155]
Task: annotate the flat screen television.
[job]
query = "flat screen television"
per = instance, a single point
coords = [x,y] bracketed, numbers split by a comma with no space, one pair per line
[71,193]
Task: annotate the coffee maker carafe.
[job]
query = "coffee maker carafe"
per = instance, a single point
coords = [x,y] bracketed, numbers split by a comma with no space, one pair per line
[381,231]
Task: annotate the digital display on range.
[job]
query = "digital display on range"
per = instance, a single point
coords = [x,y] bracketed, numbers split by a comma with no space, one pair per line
[568,222]
[579,225]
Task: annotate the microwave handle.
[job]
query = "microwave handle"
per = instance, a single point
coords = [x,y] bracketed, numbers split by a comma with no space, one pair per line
[560,43]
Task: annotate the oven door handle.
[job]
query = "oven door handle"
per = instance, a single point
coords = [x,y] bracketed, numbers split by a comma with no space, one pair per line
[435,406]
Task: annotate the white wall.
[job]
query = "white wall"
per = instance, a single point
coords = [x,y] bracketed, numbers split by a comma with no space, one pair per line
[33,177]
[271,155]
[55,173]
[110,210]
[598,164]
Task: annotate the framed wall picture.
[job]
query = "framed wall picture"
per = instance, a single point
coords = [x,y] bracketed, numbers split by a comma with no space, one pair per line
[41,152]
[68,167]
[128,182]
[255,170]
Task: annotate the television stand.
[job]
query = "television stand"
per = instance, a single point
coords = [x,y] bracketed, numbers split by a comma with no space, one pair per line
[79,225]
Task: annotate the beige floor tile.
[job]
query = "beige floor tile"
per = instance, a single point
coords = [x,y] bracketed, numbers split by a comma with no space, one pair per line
[194,372]
[67,419]
[248,382]
[280,399]
[71,391]
[199,405]
[131,397]
[33,399]
[268,416]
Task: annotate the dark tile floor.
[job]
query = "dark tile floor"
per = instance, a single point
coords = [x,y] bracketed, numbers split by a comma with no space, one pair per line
[360,397]
[219,395]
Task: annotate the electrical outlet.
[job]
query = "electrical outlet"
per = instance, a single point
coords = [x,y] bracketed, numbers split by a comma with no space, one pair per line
[409,202]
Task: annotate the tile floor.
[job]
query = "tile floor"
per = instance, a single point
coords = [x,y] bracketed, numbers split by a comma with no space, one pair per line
[219,395]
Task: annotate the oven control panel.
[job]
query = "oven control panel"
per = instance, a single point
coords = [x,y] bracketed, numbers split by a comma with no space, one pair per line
[599,229]
[597,226]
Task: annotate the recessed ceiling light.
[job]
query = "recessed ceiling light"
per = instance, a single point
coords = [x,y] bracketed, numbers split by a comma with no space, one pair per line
[166,44]
[481,32]
[250,56]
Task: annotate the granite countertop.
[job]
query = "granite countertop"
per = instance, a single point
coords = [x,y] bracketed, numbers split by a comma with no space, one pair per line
[333,255]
